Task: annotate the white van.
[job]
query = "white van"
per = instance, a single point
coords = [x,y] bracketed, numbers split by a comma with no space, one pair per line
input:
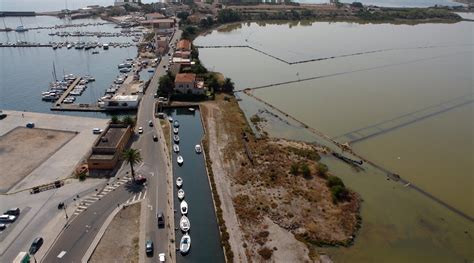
[7,218]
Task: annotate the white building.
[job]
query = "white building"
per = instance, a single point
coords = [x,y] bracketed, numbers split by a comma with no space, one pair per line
[121,102]
[130,2]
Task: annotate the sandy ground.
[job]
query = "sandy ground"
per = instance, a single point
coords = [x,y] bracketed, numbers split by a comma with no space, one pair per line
[120,241]
[221,169]
[23,149]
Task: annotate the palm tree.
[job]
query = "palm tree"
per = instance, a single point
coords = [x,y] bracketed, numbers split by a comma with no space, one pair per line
[132,157]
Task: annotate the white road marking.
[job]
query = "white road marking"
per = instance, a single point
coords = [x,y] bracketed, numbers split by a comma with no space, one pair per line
[152,174]
[82,207]
[144,194]
[139,195]
[61,255]
[134,198]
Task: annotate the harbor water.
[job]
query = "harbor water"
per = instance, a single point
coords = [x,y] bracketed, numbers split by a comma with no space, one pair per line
[387,71]
[29,71]
[204,232]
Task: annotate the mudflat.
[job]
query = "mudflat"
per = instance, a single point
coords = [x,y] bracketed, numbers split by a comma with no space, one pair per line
[23,149]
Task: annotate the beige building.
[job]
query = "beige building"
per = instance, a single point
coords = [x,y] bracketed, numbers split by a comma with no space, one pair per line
[108,148]
[188,83]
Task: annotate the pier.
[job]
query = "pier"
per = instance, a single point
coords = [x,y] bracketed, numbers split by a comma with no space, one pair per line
[60,106]
[403,120]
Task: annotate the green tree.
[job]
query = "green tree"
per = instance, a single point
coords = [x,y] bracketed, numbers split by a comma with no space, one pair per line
[114,119]
[228,15]
[339,193]
[183,15]
[132,157]
[166,84]
[228,85]
[128,120]
[294,169]
[212,82]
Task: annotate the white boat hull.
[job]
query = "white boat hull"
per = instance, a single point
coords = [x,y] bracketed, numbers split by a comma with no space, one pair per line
[185,244]
[184,224]
[184,207]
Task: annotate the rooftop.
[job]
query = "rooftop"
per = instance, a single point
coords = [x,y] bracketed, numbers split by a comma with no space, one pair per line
[154,16]
[184,44]
[112,136]
[185,77]
[157,21]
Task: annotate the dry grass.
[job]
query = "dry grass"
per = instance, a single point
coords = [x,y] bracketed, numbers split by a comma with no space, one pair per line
[302,205]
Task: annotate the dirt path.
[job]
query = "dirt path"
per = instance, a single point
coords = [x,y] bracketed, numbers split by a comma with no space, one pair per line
[221,169]
[120,241]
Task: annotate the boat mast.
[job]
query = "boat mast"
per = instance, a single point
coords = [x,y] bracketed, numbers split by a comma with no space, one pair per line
[54,73]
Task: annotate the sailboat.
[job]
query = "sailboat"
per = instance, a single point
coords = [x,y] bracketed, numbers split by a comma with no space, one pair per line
[21,28]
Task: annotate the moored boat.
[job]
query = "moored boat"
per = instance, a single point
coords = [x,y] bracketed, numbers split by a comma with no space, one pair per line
[197,148]
[176,148]
[176,138]
[175,130]
[176,123]
[180,160]
[185,244]
[184,207]
[191,109]
[179,182]
[184,224]
[180,194]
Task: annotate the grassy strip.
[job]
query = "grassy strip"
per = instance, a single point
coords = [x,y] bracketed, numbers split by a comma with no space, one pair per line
[229,254]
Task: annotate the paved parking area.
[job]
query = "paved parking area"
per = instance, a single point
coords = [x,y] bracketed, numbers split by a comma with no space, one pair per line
[63,142]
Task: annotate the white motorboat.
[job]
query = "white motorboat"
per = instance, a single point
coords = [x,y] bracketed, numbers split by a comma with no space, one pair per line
[176,148]
[198,148]
[179,182]
[184,207]
[185,244]
[176,123]
[170,119]
[175,130]
[191,109]
[176,138]
[184,224]
[180,194]
[180,160]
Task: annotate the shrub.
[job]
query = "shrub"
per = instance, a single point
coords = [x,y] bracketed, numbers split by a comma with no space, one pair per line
[305,170]
[322,170]
[294,169]
[339,193]
[82,176]
[265,253]
[334,181]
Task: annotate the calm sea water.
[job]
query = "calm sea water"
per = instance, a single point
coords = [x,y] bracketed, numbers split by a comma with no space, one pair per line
[414,67]
[26,72]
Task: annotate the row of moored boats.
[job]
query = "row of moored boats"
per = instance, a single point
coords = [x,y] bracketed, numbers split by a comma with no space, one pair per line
[57,88]
[184,222]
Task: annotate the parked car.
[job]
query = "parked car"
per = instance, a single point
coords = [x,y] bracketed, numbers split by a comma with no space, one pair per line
[150,123]
[3,226]
[7,218]
[36,245]
[140,130]
[149,247]
[30,125]
[13,211]
[155,138]
[161,220]
[96,131]
[161,257]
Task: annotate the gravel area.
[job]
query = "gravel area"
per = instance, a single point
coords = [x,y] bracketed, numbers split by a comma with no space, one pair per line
[120,241]
[23,149]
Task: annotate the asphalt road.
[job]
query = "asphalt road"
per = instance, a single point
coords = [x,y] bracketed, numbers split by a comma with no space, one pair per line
[77,237]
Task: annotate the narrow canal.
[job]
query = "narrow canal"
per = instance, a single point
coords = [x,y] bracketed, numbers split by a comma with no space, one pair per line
[205,240]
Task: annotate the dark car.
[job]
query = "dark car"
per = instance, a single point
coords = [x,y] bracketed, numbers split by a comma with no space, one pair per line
[150,123]
[149,247]
[140,179]
[155,138]
[161,220]
[35,246]
[13,211]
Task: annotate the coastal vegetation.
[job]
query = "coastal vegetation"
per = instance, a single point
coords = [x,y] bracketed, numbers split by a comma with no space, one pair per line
[282,181]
